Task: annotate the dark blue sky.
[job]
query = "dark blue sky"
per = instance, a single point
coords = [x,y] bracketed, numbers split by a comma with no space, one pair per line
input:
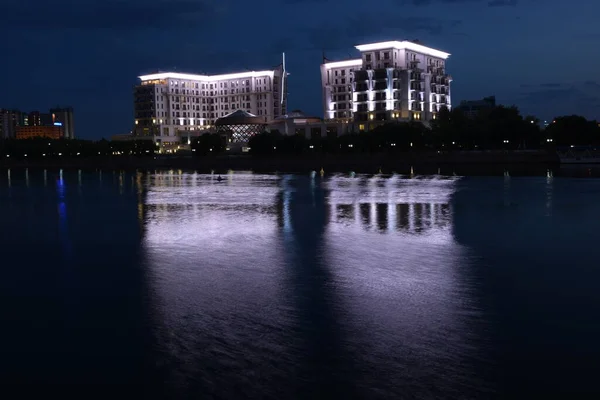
[541,55]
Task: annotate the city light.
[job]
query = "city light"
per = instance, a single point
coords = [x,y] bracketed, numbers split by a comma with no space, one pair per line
[403,45]
[194,77]
[344,64]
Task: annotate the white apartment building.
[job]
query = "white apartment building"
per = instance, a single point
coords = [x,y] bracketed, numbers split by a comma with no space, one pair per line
[171,107]
[396,80]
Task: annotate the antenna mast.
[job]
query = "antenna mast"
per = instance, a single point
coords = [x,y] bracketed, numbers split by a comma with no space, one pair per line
[283,76]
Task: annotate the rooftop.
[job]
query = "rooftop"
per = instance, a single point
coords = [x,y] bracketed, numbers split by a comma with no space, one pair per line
[403,45]
[239,117]
[208,78]
[345,63]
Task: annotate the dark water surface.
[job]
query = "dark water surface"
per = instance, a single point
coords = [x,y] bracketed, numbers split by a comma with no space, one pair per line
[281,286]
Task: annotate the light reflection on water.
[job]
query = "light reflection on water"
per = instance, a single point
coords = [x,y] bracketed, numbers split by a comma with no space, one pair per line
[287,286]
[347,286]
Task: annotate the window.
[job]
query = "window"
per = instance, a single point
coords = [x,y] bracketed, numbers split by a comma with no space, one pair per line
[368,58]
[386,55]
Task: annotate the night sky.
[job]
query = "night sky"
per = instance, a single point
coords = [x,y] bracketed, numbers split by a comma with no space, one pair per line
[541,55]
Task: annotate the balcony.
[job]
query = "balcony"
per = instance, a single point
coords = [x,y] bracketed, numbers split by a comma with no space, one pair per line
[380,74]
[361,75]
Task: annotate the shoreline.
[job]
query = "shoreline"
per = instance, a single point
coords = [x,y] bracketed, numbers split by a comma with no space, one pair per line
[295,163]
[493,163]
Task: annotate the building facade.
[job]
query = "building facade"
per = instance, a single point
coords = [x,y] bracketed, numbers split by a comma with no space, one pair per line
[57,120]
[298,123]
[170,105]
[9,120]
[396,80]
[39,131]
[36,118]
[63,117]
[472,108]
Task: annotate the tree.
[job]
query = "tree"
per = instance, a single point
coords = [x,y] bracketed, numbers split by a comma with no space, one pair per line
[573,130]
[266,143]
[209,143]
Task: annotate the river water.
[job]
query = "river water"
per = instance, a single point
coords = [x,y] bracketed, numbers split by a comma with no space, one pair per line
[178,285]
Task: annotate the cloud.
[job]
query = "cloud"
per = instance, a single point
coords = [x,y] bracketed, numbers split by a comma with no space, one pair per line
[373,28]
[502,3]
[119,15]
[587,36]
[490,3]
[580,98]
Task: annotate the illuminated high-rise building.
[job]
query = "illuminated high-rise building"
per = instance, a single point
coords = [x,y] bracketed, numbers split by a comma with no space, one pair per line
[396,80]
[170,106]
[9,121]
[63,117]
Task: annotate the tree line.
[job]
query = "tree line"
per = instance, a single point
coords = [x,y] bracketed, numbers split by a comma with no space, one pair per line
[52,148]
[500,128]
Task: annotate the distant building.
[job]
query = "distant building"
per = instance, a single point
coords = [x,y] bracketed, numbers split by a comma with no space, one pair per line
[472,108]
[57,120]
[397,80]
[63,116]
[297,123]
[31,132]
[170,104]
[35,118]
[9,120]
[122,137]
